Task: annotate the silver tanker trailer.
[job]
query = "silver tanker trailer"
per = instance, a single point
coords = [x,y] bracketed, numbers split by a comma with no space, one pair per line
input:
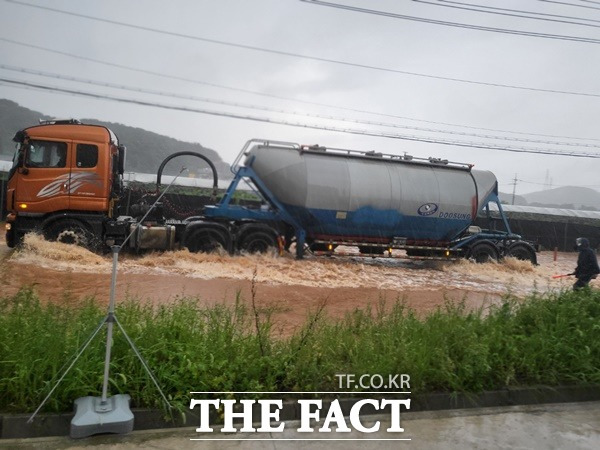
[321,198]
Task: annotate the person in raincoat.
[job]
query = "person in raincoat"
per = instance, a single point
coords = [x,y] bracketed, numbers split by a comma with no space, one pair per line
[587,264]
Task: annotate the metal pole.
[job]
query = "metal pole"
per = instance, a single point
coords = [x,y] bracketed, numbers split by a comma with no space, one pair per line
[503,216]
[109,321]
[514,189]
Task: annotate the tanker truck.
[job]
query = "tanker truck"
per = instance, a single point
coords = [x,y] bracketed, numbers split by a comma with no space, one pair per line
[66,181]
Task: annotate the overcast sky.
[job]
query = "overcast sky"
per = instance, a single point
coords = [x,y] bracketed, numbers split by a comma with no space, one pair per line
[361,97]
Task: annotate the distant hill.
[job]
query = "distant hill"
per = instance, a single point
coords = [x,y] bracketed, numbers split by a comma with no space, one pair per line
[567,197]
[12,119]
[145,149]
[507,199]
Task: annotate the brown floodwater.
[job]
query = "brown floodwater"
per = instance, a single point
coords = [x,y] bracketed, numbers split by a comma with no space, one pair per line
[291,288]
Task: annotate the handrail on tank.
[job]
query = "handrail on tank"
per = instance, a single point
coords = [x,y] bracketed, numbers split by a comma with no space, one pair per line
[388,156]
[341,151]
[236,163]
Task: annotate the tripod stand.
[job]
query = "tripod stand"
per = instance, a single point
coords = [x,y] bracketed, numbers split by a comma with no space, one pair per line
[105,414]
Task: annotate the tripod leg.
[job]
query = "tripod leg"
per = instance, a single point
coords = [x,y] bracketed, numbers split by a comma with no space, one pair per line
[79,353]
[109,323]
[142,360]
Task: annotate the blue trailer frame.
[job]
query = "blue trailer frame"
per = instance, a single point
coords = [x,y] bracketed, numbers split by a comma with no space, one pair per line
[278,213]
[494,236]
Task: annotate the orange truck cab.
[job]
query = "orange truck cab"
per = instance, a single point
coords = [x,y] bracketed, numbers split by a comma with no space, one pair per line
[64,181]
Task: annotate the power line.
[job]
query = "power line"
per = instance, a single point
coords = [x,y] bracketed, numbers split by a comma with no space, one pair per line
[568,4]
[281,111]
[499,12]
[315,58]
[560,37]
[535,13]
[362,132]
[560,185]
[262,94]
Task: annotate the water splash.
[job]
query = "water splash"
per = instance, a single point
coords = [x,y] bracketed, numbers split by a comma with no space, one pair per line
[518,277]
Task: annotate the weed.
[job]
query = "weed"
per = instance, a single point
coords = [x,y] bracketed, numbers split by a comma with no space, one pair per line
[552,339]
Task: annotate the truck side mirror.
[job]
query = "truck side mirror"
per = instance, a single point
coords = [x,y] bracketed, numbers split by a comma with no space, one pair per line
[121,164]
[23,152]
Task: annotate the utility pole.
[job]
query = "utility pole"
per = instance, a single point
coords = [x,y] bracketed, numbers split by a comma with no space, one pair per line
[514,189]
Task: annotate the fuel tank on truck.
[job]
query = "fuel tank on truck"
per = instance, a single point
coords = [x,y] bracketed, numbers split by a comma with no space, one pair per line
[369,195]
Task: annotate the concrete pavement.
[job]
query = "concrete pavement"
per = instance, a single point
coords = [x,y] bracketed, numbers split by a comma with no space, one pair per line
[554,426]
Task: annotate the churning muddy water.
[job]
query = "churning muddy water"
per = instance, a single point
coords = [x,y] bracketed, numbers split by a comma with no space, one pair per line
[61,273]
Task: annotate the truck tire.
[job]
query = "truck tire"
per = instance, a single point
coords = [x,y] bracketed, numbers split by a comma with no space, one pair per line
[10,240]
[483,252]
[206,240]
[258,242]
[71,232]
[13,238]
[522,251]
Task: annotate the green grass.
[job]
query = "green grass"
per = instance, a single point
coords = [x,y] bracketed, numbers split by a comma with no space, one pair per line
[550,340]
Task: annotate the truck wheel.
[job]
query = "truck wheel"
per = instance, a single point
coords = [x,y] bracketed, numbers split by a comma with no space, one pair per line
[522,251]
[13,238]
[206,241]
[71,232]
[258,242]
[483,252]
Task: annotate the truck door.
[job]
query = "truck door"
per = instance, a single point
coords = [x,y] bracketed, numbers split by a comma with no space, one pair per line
[43,180]
[89,187]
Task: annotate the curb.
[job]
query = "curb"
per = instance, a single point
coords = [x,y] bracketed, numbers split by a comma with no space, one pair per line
[15,426]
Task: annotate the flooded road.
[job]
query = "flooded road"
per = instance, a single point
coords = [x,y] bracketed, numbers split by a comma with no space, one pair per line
[63,273]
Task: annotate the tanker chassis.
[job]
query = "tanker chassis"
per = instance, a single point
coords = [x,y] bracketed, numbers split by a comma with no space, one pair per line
[66,181]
